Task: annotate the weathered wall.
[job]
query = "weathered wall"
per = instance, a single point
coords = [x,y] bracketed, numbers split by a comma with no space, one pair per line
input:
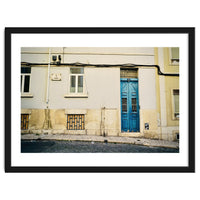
[168,127]
[97,121]
[170,84]
[102,87]
[100,101]
[91,55]
[147,99]
[38,86]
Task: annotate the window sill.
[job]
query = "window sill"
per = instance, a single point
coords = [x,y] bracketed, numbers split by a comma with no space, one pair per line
[174,64]
[26,96]
[175,119]
[76,96]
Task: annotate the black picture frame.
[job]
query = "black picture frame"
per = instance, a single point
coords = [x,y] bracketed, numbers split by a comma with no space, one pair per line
[190,31]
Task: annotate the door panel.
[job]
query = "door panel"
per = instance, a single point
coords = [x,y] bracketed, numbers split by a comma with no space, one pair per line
[129,105]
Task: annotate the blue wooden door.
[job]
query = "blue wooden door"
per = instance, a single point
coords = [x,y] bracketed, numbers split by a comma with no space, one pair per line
[129,105]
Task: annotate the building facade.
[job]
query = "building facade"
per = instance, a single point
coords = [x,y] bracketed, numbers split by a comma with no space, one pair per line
[101,91]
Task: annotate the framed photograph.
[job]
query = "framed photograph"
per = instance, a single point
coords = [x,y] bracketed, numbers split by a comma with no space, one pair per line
[100,99]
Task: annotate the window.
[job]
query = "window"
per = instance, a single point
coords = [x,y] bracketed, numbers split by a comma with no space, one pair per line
[176,103]
[24,121]
[76,80]
[177,136]
[174,55]
[75,122]
[25,80]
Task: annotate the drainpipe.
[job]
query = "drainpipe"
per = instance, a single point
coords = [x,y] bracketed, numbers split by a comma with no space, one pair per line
[47,122]
[102,125]
[48,77]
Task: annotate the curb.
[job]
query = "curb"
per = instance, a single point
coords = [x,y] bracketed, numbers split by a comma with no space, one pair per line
[117,140]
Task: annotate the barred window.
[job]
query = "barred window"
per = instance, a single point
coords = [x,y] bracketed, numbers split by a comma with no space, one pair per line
[124,104]
[75,122]
[134,105]
[24,121]
[129,73]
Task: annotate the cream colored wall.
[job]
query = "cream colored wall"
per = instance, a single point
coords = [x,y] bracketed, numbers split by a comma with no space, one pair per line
[102,88]
[37,89]
[102,85]
[147,101]
[90,55]
[147,88]
[102,98]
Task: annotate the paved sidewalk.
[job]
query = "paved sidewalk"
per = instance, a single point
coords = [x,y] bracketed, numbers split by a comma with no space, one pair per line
[90,138]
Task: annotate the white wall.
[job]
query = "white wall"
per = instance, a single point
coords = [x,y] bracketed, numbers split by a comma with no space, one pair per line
[37,89]
[147,88]
[102,86]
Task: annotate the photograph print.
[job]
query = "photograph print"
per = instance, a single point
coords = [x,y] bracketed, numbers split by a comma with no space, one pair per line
[118,102]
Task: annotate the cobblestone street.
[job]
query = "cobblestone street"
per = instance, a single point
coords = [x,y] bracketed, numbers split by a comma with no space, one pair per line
[89,144]
[51,146]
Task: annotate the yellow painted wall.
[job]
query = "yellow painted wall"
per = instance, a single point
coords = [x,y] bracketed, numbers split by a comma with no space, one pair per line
[58,119]
[170,84]
[157,83]
[150,117]
[36,119]
[168,67]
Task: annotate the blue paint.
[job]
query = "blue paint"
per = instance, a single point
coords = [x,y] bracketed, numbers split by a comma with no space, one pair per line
[129,105]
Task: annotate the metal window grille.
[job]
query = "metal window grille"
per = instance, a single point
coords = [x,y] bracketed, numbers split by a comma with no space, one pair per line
[134,105]
[76,122]
[129,73]
[24,121]
[124,104]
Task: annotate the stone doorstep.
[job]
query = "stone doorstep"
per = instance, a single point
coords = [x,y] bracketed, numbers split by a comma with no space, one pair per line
[111,139]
